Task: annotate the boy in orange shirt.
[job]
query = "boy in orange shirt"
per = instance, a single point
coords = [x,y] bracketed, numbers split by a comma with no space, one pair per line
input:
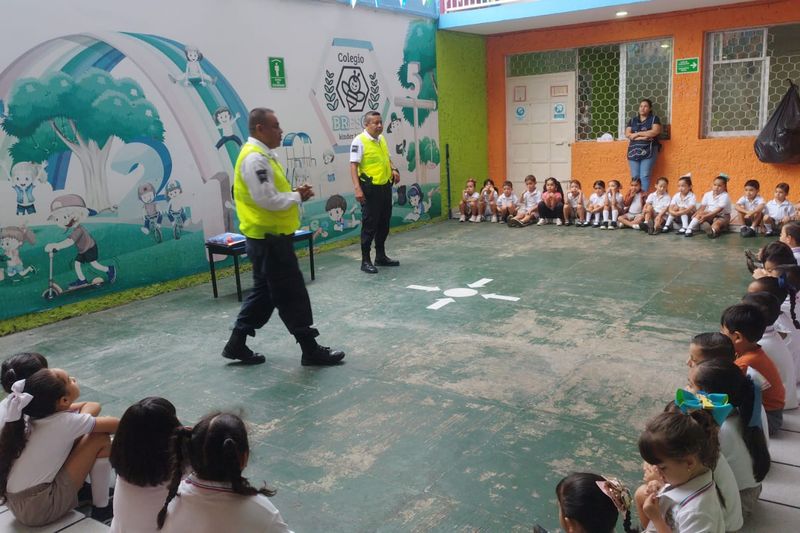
[744,325]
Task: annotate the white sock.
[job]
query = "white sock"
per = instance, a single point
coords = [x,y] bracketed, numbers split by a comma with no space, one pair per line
[670,220]
[767,227]
[597,218]
[614,215]
[588,216]
[694,224]
[100,475]
[605,215]
[684,221]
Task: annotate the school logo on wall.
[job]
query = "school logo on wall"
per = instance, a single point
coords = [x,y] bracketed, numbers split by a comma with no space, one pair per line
[350,84]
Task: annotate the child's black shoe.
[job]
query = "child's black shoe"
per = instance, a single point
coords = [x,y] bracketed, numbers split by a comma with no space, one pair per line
[103,514]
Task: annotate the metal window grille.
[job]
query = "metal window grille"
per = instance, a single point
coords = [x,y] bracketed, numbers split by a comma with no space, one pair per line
[610,81]
[746,73]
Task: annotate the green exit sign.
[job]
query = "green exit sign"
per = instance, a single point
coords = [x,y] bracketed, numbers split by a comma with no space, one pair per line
[277,73]
[687,65]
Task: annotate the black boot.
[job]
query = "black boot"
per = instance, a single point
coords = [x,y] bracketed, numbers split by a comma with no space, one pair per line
[367,266]
[321,356]
[236,348]
[381,259]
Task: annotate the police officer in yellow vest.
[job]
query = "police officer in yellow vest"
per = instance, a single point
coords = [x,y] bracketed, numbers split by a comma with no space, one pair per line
[268,211]
[372,174]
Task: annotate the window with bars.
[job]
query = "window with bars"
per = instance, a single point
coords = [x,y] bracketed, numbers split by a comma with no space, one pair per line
[745,76]
[610,81]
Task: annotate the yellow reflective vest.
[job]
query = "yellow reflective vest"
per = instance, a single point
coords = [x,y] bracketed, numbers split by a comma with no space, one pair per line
[375,160]
[255,221]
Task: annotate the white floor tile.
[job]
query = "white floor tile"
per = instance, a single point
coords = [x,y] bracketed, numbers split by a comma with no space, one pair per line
[781,484]
[784,447]
[771,517]
[9,523]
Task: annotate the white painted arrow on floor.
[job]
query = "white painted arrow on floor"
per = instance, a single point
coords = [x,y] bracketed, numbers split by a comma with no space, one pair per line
[500,297]
[423,288]
[480,283]
[440,302]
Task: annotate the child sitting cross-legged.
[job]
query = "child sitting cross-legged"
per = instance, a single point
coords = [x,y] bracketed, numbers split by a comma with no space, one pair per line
[715,210]
[507,203]
[750,208]
[633,205]
[528,208]
[779,211]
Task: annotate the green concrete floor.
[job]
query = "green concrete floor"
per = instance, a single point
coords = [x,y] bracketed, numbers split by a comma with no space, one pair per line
[462,418]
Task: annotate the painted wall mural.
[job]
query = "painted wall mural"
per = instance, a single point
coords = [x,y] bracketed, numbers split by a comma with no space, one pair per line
[117,147]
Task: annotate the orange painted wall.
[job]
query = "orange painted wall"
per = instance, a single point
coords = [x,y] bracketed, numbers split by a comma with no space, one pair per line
[686,151]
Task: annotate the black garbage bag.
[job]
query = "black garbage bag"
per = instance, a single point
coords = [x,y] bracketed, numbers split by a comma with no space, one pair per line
[779,141]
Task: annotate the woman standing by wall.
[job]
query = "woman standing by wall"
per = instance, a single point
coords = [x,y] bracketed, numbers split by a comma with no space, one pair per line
[642,132]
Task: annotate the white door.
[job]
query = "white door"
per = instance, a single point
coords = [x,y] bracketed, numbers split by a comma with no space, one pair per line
[540,127]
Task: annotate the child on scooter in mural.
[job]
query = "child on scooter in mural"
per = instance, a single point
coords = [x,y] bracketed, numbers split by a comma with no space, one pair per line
[68,212]
[11,240]
[147,195]
[175,209]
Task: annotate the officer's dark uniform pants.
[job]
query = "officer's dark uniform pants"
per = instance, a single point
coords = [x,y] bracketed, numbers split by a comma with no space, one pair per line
[277,283]
[376,213]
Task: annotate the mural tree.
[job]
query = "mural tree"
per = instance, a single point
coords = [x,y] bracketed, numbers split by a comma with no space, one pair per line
[84,114]
[419,48]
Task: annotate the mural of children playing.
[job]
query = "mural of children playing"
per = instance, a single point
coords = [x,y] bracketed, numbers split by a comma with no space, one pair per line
[225,123]
[176,210]
[11,240]
[24,176]
[194,72]
[419,206]
[336,206]
[152,216]
[68,212]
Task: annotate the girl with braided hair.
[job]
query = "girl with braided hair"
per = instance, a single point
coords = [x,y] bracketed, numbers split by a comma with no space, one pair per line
[741,437]
[215,496]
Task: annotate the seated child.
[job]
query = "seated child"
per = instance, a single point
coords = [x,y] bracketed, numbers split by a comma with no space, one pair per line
[744,325]
[741,437]
[216,496]
[613,203]
[594,208]
[507,202]
[790,235]
[43,463]
[750,208]
[774,345]
[685,450]
[574,204]
[682,206]
[633,202]
[711,345]
[468,207]
[488,202]
[528,206]
[140,455]
[778,211]
[551,207]
[588,502]
[715,209]
[656,206]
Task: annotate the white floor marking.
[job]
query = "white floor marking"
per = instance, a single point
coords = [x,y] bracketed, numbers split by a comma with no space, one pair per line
[440,302]
[460,292]
[423,288]
[480,283]
[499,297]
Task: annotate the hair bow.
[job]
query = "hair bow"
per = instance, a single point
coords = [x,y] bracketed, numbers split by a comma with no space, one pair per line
[617,492]
[16,402]
[716,403]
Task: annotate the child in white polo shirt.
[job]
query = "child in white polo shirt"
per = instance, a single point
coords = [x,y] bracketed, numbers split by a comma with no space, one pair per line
[215,496]
[682,206]
[715,209]
[656,206]
[488,202]
[507,202]
[633,202]
[594,208]
[528,208]
[574,204]
[750,208]
[778,212]
[469,203]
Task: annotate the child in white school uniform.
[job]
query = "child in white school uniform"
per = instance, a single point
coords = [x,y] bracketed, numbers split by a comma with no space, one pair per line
[656,207]
[594,207]
[715,209]
[778,211]
[574,204]
[140,455]
[589,502]
[790,235]
[682,205]
[507,203]
[528,208]
[215,496]
[45,461]
[488,201]
[750,208]
[613,204]
[469,205]
[633,203]
[741,437]
[684,448]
